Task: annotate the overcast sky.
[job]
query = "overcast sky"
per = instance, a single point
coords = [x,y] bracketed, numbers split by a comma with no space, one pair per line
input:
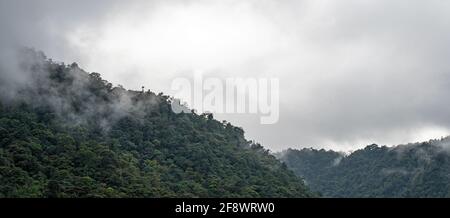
[351,72]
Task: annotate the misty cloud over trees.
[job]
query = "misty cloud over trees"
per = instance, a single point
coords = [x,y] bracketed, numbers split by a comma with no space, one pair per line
[351,73]
[68,133]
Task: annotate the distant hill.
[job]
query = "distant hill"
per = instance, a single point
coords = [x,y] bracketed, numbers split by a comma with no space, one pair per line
[412,170]
[68,133]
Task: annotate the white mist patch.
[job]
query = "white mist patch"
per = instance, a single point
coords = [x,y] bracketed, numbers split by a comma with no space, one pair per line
[232,96]
[426,134]
[392,138]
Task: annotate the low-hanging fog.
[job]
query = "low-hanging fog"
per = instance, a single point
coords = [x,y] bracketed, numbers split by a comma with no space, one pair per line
[351,72]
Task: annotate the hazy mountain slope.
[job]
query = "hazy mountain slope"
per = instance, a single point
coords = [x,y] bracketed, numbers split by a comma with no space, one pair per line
[413,170]
[67,133]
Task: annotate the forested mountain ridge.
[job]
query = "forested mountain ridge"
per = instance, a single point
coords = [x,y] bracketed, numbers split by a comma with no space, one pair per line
[412,170]
[67,133]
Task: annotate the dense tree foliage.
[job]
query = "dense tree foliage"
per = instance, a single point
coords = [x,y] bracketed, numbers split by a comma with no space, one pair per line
[68,133]
[413,170]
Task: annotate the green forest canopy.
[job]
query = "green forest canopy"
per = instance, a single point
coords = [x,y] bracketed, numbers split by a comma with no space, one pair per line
[67,133]
[412,170]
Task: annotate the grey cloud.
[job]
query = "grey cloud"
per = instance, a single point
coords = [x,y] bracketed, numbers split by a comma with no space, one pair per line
[352,72]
